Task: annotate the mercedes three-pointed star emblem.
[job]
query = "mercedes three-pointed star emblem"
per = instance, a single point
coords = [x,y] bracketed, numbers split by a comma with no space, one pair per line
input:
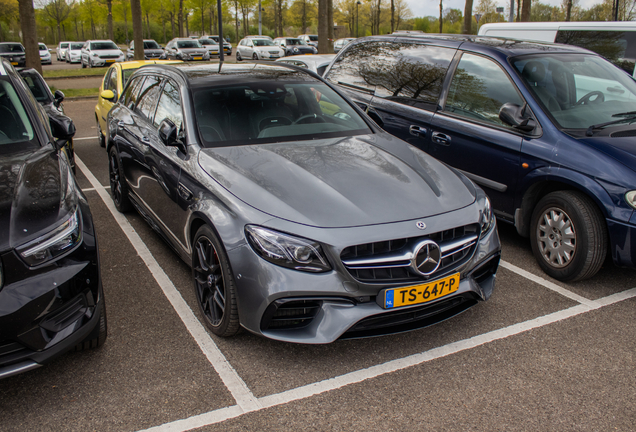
[427,259]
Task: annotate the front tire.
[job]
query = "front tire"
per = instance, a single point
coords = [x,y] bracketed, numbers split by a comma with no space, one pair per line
[568,236]
[83,64]
[238,56]
[254,56]
[214,284]
[97,337]
[118,186]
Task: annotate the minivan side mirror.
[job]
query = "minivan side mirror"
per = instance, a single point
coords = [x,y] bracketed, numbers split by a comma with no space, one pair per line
[58,98]
[515,116]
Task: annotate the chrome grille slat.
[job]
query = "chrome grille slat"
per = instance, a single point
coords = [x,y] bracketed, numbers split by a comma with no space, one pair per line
[365,265]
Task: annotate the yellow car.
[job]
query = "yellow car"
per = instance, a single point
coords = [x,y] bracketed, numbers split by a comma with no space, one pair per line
[114,81]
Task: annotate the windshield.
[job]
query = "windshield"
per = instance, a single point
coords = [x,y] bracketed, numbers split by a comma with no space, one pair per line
[151,45]
[103,46]
[268,111]
[8,48]
[76,46]
[262,42]
[15,126]
[43,47]
[578,90]
[295,42]
[313,38]
[127,73]
[208,42]
[188,44]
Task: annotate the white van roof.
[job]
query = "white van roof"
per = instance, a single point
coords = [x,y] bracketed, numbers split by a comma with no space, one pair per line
[546,31]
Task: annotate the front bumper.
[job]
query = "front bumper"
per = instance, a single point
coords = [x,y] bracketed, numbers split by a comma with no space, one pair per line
[338,305]
[46,311]
[623,241]
[97,61]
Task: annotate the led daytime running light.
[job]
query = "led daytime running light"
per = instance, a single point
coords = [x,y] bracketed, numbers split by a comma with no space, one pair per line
[66,236]
[630,197]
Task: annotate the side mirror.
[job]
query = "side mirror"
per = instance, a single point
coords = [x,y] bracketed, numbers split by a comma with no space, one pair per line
[169,135]
[109,95]
[58,98]
[62,127]
[515,116]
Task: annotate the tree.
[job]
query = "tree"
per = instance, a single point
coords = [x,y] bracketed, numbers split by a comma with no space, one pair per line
[453,16]
[135,8]
[323,26]
[8,14]
[468,17]
[525,10]
[29,34]
[58,11]
[403,12]
[441,18]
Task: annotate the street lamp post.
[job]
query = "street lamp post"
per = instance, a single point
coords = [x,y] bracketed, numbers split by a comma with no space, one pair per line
[357,17]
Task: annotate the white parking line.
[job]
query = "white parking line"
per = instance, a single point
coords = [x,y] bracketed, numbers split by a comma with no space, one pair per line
[338,382]
[92,189]
[245,400]
[546,283]
[84,138]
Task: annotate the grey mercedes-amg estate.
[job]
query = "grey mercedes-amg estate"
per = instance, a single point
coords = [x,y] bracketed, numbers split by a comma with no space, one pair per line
[302,220]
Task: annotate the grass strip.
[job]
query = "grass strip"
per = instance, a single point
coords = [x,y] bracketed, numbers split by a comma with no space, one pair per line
[61,73]
[69,93]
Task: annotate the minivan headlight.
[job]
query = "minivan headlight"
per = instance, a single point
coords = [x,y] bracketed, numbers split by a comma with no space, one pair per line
[487,216]
[57,242]
[286,250]
[630,197]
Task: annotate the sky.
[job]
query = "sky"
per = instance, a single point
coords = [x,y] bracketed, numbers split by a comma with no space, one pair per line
[422,8]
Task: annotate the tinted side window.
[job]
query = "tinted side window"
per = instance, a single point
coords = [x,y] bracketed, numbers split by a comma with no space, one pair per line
[169,105]
[130,95]
[478,90]
[107,80]
[148,97]
[407,73]
[617,46]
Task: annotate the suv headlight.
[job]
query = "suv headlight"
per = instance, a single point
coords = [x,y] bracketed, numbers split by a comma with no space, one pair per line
[630,197]
[57,242]
[287,251]
[487,216]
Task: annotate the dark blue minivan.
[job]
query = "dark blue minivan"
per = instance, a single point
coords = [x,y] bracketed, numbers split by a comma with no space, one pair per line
[547,130]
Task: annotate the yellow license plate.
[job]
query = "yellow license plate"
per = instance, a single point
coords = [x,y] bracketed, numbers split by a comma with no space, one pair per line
[110,61]
[417,294]
[14,63]
[196,58]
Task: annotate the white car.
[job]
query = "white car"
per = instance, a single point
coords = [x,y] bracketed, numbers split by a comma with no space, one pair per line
[309,39]
[100,53]
[210,44]
[60,51]
[45,54]
[258,49]
[74,52]
[316,63]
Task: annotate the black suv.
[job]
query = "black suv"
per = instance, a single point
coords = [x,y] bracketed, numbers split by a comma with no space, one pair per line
[51,297]
[545,129]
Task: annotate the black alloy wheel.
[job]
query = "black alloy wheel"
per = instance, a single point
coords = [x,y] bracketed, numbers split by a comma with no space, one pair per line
[568,236]
[118,186]
[214,284]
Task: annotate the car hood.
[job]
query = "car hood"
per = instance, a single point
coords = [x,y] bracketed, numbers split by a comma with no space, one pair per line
[338,182]
[34,195]
[623,149]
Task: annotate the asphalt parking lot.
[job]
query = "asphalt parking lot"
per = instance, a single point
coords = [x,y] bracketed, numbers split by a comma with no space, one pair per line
[539,355]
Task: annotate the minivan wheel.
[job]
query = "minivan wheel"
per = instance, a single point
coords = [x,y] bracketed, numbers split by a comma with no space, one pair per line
[118,186]
[214,284]
[568,236]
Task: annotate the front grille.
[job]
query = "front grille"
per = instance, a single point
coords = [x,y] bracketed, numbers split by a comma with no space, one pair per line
[274,52]
[390,260]
[290,314]
[104,56]
[403,320]
[624,133]
[11,352]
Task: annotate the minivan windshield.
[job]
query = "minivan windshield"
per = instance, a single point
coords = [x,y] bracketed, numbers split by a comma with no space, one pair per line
[270,111]
[579,90]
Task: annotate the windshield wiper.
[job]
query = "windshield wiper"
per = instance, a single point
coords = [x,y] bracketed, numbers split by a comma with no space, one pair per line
[364,89]
[628,113]
[590,130]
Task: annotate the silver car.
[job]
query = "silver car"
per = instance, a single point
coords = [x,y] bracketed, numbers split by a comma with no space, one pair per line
[100,53]
[302,220]
[45,54]
[258,48]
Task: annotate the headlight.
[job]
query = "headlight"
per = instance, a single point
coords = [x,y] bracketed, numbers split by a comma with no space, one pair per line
[57,242]
[295,49]
[487,217]
[286,250]
[95,55]
[630,197]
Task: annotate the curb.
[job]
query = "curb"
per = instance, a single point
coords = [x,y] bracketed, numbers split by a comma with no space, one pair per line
[76,98]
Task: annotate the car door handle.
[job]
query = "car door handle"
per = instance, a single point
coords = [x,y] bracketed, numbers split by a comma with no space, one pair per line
[441,138]
[184,192]
[417,131]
